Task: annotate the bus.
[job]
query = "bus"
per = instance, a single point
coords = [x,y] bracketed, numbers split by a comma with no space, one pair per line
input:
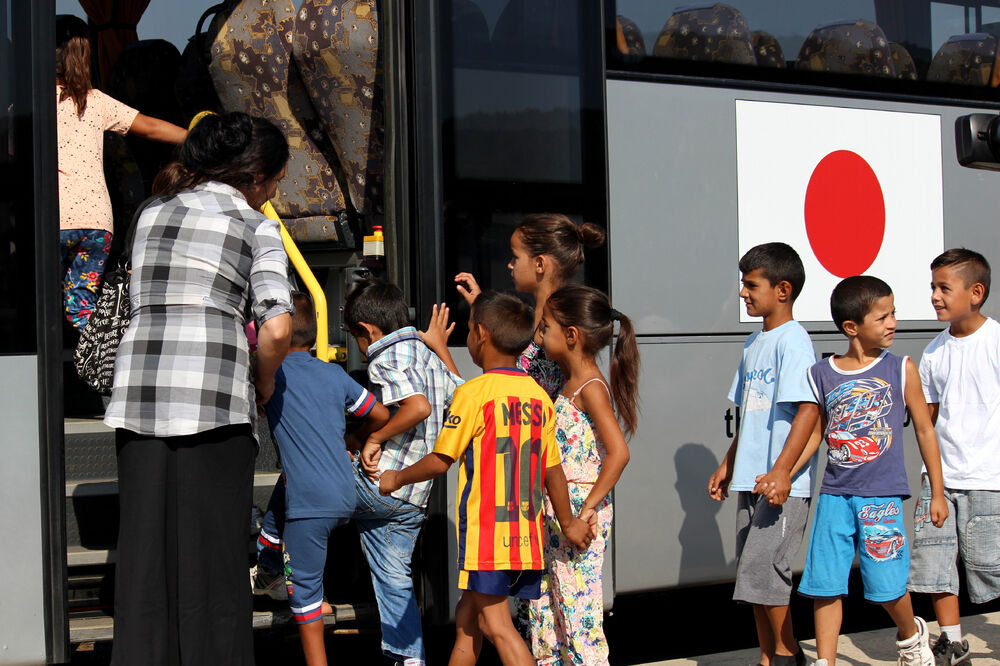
[863,133]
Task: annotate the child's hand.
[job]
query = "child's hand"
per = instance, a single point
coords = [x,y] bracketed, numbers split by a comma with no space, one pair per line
[718,483]
[468,287]
[939,511]
[578,532]
[775,486]
[589,516]
[438,329]
[371,453]
[388,482]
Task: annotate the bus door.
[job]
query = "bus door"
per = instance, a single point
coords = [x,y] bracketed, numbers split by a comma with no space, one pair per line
[33,628]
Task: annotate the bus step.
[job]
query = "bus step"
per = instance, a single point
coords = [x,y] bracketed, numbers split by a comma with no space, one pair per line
[88,628]
[78,556]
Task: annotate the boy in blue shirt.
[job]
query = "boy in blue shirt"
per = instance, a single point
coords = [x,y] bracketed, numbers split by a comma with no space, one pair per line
[865,394]
[306,415]
[774,398]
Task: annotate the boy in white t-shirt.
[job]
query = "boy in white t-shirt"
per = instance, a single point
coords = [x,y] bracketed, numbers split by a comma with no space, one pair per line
[960,373]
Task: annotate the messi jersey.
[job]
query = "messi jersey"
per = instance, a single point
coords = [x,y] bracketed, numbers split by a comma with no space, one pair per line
[501,430]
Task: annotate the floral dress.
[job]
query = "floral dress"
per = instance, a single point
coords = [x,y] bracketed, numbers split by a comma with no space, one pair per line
[567,622]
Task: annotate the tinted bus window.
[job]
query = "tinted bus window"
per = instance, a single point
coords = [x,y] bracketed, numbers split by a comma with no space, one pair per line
[522,129]
[17,233]
[946,48]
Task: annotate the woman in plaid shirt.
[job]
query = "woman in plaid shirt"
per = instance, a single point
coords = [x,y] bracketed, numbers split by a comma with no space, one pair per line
[203,260]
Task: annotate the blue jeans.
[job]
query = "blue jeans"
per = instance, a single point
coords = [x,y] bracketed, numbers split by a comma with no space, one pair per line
[389,529]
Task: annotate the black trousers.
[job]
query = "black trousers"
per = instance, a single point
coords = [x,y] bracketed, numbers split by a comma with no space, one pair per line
[182,594]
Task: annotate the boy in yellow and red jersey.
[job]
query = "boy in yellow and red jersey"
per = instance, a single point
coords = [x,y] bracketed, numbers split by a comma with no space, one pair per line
[501,427]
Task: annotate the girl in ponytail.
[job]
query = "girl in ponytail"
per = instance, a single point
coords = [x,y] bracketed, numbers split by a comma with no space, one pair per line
[546,251]
[566,622]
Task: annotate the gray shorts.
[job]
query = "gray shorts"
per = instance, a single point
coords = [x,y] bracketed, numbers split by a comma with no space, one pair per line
[767,540]
[972,531]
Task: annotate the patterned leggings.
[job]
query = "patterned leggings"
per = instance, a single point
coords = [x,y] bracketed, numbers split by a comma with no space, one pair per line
[567,623]
[83,253]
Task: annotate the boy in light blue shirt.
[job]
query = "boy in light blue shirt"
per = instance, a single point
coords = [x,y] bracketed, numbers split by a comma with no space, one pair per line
[772,392]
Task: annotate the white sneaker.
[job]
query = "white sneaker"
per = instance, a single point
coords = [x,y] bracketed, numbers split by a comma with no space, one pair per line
[916,650]
[820,662]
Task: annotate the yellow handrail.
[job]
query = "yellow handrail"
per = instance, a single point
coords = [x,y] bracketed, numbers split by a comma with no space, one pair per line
[312,285]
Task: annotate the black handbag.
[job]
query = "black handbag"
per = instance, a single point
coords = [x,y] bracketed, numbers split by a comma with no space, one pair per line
[94,356]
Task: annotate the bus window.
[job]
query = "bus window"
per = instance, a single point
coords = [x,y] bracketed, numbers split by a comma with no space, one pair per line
[940,49]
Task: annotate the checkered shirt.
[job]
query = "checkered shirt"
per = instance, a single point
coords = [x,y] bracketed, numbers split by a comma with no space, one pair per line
[198,260]
[401,365]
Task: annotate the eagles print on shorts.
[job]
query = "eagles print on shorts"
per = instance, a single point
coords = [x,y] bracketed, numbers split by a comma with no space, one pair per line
[882,533]
[864,416]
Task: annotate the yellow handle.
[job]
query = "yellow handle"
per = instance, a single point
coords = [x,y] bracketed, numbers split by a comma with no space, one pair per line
[312,285]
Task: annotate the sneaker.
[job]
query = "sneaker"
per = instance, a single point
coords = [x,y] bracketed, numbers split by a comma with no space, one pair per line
[269,584]
[820,662]
[948,653]
[915,650]
[797,659]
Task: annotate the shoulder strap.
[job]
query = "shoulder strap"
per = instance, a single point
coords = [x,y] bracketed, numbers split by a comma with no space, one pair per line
[594,379]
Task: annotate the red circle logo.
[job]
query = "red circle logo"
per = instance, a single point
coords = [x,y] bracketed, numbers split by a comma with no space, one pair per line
[845,213]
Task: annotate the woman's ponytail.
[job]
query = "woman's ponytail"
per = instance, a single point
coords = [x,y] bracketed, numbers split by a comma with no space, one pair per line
[625,374]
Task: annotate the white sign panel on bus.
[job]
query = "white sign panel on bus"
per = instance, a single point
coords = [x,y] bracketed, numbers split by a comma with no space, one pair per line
[854,191]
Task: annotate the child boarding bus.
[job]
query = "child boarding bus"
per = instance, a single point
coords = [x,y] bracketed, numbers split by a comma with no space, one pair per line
[863,134]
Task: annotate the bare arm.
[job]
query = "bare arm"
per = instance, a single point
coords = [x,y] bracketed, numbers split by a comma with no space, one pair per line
[272,346]
[412,410]
[777,483]
[923,427]
[595,402]
[429,467]
[155,129]
[576,530]
[934,407]
[718,483]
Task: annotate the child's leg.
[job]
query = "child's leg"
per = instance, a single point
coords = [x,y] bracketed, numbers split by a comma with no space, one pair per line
[946,609]
[495,622]
[313,646]
[780,625]
[765,637]
[269,540]
[901,612]
[827,615]
[468,637]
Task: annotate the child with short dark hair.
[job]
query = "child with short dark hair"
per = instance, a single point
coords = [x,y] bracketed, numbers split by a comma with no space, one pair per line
[501,427]
[306,415]
[960,374]
[865,393]
[774,399]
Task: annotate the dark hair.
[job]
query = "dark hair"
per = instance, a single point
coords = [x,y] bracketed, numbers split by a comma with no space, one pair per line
[561,238]
[779,262]
[73,71]
[303,321]
[590,311]
[970,265]
[378,303]
[509,321]
[235,149]
[853,297]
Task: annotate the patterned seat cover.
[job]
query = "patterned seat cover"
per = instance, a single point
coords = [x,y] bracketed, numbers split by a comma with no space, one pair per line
[847,47]
[903,63]
[632,36]
[707,33]
[767,50]
[965,59]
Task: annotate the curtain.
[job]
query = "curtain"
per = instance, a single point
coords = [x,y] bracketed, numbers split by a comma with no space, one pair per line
[115,22]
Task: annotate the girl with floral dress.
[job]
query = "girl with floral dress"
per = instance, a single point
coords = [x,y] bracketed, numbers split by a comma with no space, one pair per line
[567,622]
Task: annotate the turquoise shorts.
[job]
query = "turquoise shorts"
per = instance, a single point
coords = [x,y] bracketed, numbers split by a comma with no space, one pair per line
[848,524]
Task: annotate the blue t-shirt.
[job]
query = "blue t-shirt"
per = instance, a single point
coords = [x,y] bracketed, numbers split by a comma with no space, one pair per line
[306,415]
[864,427]
[769,385]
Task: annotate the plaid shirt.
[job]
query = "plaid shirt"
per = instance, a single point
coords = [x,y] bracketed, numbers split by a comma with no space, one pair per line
[199,258]
[401,365]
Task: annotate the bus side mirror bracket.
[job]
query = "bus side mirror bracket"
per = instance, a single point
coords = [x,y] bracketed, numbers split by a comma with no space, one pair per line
[977,141]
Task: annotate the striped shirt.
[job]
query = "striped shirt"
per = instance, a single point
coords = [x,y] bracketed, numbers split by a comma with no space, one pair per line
[401,365]
[501,427]
[201,261]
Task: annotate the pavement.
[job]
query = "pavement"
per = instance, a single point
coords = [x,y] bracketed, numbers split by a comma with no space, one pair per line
[875,648]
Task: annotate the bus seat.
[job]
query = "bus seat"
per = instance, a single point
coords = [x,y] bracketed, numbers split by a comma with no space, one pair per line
[902,62]
[851,47]
[251,71]
[965,59]
[767,50]
[470,33]
[708,33]
[335,45]
[631,37]
[131,84]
